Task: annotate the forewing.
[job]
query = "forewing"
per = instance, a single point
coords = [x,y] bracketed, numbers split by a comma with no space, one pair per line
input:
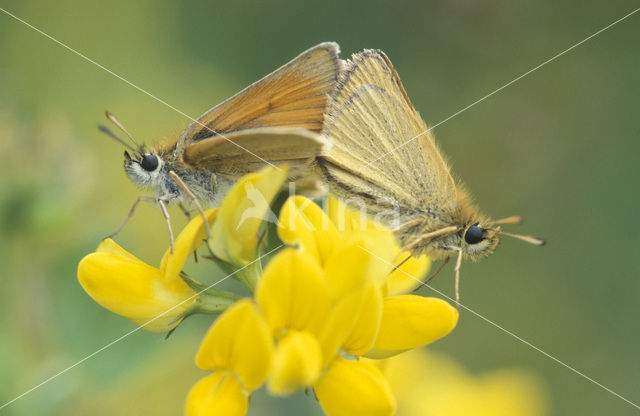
[245,151]
[294,95]
[380,144]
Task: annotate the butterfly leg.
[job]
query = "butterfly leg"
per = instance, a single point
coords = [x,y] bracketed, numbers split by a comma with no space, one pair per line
[184,211]
[162,203]
[457,284]
[131,211]
[400,264]
[191,196]
[426,282]
[429,236]
[261,240]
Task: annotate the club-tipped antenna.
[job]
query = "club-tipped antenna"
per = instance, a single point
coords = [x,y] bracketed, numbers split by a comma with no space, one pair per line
[111,134]
[115,121]
[514,219]
[526,238]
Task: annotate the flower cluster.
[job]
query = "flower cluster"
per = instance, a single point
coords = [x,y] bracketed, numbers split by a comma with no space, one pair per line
[326,307]
[153,298]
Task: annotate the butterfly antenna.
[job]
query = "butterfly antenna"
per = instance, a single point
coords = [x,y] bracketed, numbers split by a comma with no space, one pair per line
[515,219]
[109,133]
[526,238]
[115,121]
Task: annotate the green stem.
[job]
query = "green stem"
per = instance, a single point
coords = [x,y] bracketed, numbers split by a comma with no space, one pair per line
[215,301]
[249,275]
[210,299]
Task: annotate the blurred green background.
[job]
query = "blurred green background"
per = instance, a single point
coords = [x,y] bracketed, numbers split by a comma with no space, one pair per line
[559,147]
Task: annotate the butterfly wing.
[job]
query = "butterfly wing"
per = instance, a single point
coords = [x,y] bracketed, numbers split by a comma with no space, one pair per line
[381,149]
[294,96]
[246,151]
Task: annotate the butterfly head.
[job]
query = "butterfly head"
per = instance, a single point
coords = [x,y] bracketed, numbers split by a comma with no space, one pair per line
[143,168]
[480,238]
[478,241]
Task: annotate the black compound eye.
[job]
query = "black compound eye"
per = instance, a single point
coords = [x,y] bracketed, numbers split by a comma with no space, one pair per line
[474,234]
[149,162]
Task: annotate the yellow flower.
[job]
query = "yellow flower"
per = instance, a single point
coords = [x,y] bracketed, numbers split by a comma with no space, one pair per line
[398,281]
[385,326]
[234,235]
[339,276]
[355,388]
[310,323]
[430,384]
[296,311]
[219,394]
[297,362]
[293,297]
[239,349]
[317,308]
[152,297]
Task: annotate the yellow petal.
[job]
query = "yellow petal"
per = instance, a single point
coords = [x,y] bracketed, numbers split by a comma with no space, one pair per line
[340,216]
[303,222]
[381,249]
[363,222]
[296,364]
[109,246]
[340,322]
[409,275]
[240,341]
[134,289]
[219,394]
[186,243]
[365,329]
[346,270]
[352,218]
[235,232]
[354,388]
[292,292]
[410,321]
[372,237]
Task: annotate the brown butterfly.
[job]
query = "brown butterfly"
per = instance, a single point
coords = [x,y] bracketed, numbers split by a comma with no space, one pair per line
[411,187]
[273,121]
